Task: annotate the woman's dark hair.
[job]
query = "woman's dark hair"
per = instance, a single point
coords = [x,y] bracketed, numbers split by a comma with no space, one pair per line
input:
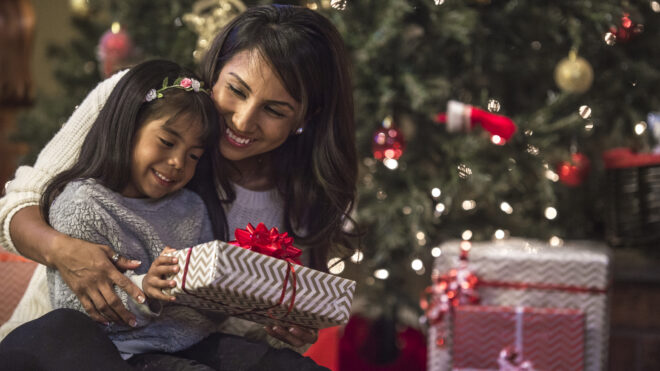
[105,154]
[316,172]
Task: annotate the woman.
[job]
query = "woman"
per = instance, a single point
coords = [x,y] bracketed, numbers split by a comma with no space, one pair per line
[287,155]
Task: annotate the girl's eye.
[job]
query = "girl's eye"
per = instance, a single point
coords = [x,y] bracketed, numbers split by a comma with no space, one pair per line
[194,157]
[166,143]
[235,91]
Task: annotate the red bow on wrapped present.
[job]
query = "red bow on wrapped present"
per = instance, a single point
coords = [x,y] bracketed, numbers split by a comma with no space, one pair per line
[458,287]
[268,242]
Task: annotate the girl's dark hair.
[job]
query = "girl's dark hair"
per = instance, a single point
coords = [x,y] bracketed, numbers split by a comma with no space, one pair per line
[105,154]
[316,172]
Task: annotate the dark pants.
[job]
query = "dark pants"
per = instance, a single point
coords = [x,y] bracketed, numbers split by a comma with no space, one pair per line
[65,339]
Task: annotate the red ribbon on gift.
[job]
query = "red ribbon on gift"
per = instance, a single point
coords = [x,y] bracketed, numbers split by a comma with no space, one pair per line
[458,287]
[278,245]
[267,242]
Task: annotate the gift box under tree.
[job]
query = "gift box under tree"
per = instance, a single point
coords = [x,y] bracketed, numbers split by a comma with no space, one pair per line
[239,282]
[517,272]
[495,337]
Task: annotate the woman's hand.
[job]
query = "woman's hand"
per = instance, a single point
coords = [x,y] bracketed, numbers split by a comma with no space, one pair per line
[294,335]
[156,280]
[89,271]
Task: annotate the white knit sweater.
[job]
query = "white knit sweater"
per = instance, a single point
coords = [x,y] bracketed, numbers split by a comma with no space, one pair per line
[59,154]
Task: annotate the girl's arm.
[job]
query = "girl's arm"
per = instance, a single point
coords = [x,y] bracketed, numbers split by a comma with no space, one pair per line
[85,267]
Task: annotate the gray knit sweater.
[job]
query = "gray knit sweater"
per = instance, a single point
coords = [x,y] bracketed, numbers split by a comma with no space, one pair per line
[138,229]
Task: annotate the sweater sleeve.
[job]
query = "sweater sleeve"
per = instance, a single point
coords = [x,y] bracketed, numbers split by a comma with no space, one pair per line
[78,214]
[58,155]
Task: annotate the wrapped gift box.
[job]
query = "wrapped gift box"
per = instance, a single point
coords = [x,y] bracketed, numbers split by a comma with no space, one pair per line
[519,272]
[238,282]
[551,339]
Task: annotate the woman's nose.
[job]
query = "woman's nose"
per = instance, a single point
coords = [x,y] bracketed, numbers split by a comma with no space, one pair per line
[243,118]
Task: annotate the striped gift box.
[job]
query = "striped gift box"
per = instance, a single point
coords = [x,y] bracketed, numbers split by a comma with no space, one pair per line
[519,272]
[549,338]
[238,282]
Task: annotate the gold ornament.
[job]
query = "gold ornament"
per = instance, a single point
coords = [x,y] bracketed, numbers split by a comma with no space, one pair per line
[574,74]
[208,17]
[79,8]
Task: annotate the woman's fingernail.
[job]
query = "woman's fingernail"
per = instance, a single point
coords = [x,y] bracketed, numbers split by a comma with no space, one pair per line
[141,299]
[132,323]
[172,298]
[291,329]
[136,262]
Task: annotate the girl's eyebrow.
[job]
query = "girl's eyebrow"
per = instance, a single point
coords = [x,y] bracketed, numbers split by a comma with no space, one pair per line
[247,87]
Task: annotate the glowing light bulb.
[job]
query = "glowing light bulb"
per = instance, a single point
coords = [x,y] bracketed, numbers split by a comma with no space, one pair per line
[467,234]
[640,127]
[336,265]
[506,207]
[556,241]
[381,274]
[436,251]
[550,213]
[357,256]
[435,192]
[391,163]
[417,264]
[469,205]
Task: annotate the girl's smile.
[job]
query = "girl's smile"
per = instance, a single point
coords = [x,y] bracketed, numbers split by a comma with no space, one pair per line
[165,155]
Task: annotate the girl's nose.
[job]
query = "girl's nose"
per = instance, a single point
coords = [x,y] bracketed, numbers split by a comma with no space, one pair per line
[177,161]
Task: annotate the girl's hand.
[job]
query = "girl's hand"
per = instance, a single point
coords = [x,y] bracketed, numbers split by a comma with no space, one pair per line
[156,280]
[294,335]
[89,271]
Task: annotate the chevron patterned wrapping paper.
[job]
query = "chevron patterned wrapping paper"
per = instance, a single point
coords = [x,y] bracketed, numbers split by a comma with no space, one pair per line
[577,264]
[551,339]
[242,283]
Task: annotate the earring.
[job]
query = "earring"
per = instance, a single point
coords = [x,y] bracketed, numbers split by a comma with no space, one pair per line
[299,130]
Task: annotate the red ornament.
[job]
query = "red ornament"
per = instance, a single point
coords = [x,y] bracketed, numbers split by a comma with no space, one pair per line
[627,30]
[573,173]
[388,142]
[114,49]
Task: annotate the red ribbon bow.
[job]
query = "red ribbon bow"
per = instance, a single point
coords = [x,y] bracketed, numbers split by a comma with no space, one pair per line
[458,287]
[268,242]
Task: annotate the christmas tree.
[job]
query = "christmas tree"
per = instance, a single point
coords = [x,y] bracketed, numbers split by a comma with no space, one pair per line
[576,76]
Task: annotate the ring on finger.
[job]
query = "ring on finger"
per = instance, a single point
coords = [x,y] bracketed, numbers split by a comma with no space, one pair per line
[115,258]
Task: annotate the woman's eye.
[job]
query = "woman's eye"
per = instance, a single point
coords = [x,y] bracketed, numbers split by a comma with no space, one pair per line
[274,112]
[194,157]
[236,91]
[166,143]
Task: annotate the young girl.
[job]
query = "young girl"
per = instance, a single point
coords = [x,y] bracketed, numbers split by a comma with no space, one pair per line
[126,191]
